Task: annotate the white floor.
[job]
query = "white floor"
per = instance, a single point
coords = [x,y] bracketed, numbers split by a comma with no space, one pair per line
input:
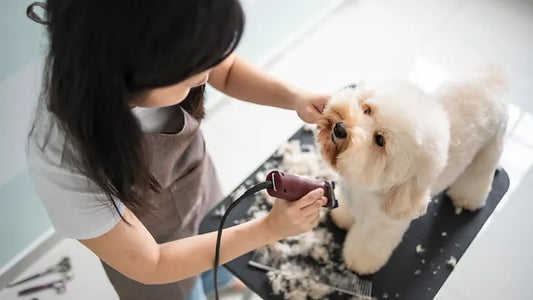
[426,41]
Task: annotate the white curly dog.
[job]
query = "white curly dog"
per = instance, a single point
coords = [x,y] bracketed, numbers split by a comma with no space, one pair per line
[394,146]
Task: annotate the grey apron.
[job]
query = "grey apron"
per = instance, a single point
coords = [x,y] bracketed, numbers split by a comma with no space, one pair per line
[190,189]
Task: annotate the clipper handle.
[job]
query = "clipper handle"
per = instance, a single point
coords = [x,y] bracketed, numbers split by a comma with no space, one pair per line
[291,187]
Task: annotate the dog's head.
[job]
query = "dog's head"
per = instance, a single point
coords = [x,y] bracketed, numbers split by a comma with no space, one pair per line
[391,138]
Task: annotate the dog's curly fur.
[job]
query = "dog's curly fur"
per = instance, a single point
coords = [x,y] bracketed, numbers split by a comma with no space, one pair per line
[403,145]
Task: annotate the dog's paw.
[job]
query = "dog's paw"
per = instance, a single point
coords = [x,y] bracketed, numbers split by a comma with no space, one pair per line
[360,262]
[342,217]
[467,204]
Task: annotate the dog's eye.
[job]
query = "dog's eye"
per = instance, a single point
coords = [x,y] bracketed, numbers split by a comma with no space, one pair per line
[368,110]
[379,140]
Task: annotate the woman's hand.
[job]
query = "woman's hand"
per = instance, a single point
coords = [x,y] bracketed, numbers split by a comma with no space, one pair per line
[288,218]
[309,106]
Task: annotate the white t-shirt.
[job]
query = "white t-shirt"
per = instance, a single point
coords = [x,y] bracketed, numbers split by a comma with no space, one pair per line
[77,207]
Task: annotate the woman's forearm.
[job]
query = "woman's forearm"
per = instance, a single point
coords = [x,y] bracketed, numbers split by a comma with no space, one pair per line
[190,256]
[130,248]
[242,80]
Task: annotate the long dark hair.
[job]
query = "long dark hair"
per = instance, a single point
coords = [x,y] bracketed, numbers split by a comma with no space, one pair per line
[103,53]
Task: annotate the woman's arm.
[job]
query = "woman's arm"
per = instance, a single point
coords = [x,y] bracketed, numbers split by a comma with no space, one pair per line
[240,79]
[132,250]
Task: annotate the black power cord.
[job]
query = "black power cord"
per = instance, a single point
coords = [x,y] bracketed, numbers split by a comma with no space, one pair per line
[254,189]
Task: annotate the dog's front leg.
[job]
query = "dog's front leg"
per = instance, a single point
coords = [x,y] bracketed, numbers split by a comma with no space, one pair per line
[367,247]
[342,216]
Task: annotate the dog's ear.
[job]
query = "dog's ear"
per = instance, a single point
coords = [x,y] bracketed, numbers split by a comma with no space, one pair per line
[406,201]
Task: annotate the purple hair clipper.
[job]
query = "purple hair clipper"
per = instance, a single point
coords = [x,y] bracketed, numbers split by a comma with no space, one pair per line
[291,187]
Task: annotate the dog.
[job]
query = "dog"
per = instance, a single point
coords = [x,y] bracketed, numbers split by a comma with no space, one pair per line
[394,146]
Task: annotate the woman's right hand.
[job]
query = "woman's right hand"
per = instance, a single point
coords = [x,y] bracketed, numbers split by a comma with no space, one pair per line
[288,218]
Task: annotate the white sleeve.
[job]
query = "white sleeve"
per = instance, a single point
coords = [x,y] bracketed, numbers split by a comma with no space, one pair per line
[76,207]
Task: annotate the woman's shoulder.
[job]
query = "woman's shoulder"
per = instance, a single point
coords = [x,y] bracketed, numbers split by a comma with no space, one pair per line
[76,206]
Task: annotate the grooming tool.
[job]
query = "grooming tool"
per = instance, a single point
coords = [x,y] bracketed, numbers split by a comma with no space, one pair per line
[63,266]
[345,282]
[281,185]
[60,286]
[291,187]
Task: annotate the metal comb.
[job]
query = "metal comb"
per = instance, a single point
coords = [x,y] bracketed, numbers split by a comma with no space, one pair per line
[344,282]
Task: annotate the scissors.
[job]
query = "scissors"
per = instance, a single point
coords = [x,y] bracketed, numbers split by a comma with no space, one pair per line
[59,285]
[63,266]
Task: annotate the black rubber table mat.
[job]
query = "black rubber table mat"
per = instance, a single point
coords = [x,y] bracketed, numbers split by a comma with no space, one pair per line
[408,274]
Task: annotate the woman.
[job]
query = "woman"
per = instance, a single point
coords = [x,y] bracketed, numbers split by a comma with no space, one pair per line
[116,154]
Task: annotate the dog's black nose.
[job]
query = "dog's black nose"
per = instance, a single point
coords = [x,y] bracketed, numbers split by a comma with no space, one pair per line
[352,86]
[340,131]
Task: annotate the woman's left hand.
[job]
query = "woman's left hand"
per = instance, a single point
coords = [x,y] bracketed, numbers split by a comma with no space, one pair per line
[309,106]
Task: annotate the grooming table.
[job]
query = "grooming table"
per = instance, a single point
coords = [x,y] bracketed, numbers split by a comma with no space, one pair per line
[441,232]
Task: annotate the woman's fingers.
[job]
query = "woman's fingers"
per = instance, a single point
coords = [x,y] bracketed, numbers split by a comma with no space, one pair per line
[309,198]
[313,208]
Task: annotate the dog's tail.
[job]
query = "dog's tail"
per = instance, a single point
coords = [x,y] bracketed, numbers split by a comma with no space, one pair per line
[493,78]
